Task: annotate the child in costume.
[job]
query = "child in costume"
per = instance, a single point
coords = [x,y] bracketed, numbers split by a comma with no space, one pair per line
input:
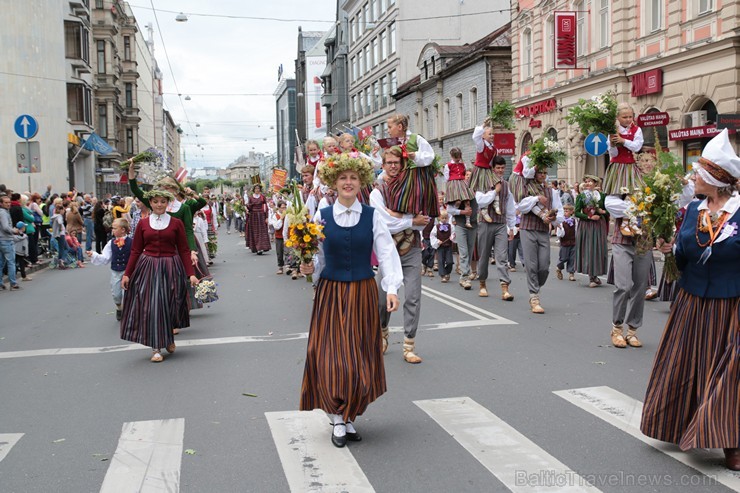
[622,174]
[347,144]
[566,232]
[457,190]
[442,237]
[116,253]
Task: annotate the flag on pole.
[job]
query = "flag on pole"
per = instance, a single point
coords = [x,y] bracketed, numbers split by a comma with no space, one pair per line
[96,143]
[181,174]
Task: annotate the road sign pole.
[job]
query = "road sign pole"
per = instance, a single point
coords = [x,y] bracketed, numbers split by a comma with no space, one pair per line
[30,163]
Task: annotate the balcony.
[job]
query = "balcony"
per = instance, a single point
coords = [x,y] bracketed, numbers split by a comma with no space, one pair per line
[129,67]
[106,81]
[328,100]
[79,65]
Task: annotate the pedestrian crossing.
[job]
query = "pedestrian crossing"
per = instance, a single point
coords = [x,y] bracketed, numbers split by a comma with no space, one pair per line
[148,457]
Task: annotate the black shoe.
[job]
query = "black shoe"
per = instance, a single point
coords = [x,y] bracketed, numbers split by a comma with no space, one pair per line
[338,441]
[259,252]
[119,315]
[354,437]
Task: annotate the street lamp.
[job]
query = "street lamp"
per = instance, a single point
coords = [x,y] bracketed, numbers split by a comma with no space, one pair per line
[188,98]
[181,17]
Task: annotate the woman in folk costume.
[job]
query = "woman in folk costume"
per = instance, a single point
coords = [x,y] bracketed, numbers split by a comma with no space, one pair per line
[622,176]
[693,396]
[156,279]
[344,369]
[591,235]
[257,235]
[414,191]
[184,205]
[347,144]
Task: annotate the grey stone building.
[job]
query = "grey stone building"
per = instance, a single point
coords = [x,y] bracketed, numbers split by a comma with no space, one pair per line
[454,90]
[335,77]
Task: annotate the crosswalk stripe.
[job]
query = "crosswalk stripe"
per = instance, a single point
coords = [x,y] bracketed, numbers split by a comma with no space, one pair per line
[148,457]
[310,462]
[625,413]
[516,461]
[464,306]
[7,441]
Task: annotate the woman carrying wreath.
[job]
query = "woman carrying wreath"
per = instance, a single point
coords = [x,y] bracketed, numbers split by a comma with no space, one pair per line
[344,370]
[591,236]
[693,396]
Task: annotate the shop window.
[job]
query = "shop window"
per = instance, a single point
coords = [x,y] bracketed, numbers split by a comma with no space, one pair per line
[526,142]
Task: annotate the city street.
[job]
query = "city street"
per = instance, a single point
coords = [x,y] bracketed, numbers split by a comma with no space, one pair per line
[505,400]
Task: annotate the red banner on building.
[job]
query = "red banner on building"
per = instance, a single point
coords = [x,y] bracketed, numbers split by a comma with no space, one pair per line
[650,82]
[566,40]
[653,119]
[505,144]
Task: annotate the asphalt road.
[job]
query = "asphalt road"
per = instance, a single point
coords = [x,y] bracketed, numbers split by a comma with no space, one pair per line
[81,410]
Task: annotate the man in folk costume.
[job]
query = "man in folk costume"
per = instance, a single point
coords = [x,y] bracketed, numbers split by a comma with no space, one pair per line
[404,229]
[540,208]
[308,197]
[495,231]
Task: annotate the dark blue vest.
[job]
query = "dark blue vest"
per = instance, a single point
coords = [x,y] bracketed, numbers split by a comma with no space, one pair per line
[347,251]
[119,256]
[718,278]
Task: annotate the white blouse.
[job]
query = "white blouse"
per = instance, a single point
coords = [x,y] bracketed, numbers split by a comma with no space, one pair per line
[383,245]
[159,222]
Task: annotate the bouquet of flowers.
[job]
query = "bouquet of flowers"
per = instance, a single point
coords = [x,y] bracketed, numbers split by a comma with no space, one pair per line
[654,207]
[502,115]
[205,292]
[151,166]
[304,235]
[546,153]
[595,115]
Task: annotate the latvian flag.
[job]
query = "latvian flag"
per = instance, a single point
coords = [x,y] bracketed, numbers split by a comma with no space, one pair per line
[181,174]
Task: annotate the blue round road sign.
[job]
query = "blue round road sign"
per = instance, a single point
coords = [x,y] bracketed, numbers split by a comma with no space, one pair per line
[596,144]
[26,127]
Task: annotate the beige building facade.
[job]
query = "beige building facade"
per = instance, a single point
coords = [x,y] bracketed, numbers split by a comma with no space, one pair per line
[677,60]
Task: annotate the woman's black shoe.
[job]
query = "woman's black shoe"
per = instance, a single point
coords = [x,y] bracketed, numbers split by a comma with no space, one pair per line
[353,437]
[338,441]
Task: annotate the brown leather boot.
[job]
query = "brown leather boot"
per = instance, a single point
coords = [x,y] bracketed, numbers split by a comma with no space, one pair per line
[618,336]
[505,294]
[534,302]
[408,351]
[483,293]
[632,339]
[385,332]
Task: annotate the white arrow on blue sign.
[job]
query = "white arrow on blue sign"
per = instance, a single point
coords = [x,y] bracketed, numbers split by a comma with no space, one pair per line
[596,144]
[26,127]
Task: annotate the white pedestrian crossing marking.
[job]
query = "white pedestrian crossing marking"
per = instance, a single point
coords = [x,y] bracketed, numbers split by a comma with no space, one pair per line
[465,307]
[625,413]
[7,441]
[310,462]
[148,458]
[515,460]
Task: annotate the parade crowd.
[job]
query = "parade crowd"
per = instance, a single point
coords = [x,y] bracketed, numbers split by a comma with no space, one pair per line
[386,224]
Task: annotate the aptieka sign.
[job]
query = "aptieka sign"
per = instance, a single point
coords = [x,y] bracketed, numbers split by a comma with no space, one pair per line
[566,45]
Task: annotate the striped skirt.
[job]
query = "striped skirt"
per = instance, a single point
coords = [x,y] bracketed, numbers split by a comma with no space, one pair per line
[591,248]
[667,291]
[458,190]
[256,236]
[344,369]
[619,175]
[414,191]
[517,186]
[156,302]
[693,396]
[482,179]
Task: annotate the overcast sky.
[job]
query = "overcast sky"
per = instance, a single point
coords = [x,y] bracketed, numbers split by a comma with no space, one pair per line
[212,56]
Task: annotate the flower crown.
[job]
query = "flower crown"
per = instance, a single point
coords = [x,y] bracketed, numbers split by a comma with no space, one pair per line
[159,193]
[330,169]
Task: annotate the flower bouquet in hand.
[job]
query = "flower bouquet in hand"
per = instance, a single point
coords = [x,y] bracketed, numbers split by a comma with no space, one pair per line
[150,165]
[595,115]
[304,235]
[206,292]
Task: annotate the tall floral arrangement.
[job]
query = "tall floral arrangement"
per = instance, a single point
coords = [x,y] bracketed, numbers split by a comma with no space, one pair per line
[546,153]
[595,115]
[654,207]
[151,166]
[304,235]
[502,115]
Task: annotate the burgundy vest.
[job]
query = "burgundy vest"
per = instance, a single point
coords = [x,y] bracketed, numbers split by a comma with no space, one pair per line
[485,158]
[624,155]
[531,221]
[503,197]
[457,170]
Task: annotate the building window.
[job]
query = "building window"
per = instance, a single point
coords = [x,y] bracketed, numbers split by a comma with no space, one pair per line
[376,55]
[355,107]
[581,31]
[549,49]
[526,142]
[368,62]
[383,48]
[649,134]
[129,95]
[376,96]
[474,105]
[384,129]
[364,19]
[373,10]
[354,69]
[426,70]
[425,126]
[604,23]
[381,8]
[435,120]
[368,101]
[99,4]
[127,48]
[391,2]
[360,103]
[76,41]
[130,140]
[705,6]
[392,38]
[459,111]
[101,56]
[526,55]
[79,103]
[383,91]
[394,83]
[446,116]
[103,120]
[352,30]
[655,15]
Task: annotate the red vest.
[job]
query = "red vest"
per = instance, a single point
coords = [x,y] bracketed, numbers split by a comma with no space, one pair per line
[625,156]
[485,158]
[444,236]
[457,170]
[279,231]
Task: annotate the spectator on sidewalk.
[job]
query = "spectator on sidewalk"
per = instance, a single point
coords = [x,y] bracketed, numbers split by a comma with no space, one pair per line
[7,243]
[21,249]
[86,210]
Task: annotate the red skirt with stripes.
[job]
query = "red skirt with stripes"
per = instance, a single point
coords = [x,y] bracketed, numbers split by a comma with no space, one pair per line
[344,369]
[693,397]
[156,302]
[414,191]
[257,237]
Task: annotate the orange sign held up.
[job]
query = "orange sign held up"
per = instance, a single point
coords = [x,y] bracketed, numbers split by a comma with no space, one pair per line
[278,179]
